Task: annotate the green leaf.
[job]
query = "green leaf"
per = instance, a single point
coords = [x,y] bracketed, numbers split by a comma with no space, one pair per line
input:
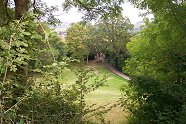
[54,64]
[26,33]
[13,68]
[21,121]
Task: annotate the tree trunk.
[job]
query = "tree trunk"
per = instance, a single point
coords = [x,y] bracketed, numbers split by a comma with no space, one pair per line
[21,6]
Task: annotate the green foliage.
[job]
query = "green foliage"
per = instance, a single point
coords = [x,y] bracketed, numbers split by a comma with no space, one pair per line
[39,8]
[96,8]
[6,14]
[149,103]
[42,98]
[157,67]
[105,98]
[111,37]
[45,13]
[31,69]
[82,87]
[51,101]
[182,116]
[106,36]
[24,45]
[78,36]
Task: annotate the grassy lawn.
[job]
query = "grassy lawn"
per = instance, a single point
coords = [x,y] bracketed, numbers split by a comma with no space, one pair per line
[105,95]
[108,94]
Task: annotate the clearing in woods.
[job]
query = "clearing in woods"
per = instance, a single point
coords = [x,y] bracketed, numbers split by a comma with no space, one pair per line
[105,95]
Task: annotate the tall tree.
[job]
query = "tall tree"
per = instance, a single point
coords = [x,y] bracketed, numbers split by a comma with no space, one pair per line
[157,66]
[21,6]
[113,34]
[78,36]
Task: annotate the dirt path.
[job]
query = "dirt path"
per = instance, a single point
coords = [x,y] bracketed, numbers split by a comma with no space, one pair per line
[111,68]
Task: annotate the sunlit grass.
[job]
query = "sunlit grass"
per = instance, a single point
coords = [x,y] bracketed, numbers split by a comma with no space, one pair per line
[108,94]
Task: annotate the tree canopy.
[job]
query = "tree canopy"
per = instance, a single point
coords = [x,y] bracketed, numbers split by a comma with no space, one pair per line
[157,66]
[78,36]
[111,36]
[95,8]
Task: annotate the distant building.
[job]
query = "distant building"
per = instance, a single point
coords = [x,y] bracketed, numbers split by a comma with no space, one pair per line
[62,29]
[138,27]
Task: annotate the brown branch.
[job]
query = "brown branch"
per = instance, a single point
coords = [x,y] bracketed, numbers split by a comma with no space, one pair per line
[34,3]
[84,6]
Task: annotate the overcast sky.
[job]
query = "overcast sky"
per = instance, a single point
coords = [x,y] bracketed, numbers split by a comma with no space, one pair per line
[74,16]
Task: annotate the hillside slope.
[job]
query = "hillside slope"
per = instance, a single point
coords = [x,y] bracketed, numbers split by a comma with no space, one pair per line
[108,94]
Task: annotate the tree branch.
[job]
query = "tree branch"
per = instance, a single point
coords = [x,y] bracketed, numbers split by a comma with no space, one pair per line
[34,3]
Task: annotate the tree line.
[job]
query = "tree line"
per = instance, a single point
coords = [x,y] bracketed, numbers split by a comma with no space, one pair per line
[108,37]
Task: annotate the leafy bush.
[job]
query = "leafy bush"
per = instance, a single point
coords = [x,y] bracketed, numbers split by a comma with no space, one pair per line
[39,96]
[157,67]
[149,103]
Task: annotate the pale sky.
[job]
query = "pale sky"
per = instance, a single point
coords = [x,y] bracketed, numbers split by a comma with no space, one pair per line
[74,16]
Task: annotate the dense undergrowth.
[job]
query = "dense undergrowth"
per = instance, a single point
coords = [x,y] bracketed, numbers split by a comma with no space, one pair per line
[156,94]
[31,71]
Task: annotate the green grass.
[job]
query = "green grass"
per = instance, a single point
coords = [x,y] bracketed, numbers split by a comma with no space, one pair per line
[108,94]
[104,95]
